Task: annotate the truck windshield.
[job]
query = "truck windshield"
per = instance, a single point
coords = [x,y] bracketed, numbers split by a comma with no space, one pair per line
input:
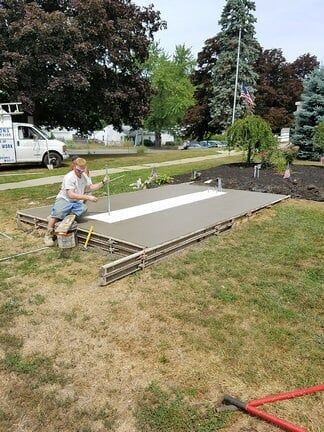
[42,132]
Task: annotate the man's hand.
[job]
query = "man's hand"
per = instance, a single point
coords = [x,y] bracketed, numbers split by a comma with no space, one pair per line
[105,180]
[92,198]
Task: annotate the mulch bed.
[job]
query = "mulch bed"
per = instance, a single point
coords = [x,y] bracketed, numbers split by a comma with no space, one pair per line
[306,182]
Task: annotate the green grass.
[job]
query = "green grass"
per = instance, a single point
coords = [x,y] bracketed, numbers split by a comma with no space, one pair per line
[10,309]
[96,162]
[170,411]
[38,367]
[38,196]
[278,296]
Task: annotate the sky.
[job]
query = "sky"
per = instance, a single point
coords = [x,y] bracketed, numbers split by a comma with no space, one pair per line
[295,26]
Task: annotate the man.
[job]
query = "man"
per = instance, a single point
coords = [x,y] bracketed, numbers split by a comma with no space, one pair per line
[75,191]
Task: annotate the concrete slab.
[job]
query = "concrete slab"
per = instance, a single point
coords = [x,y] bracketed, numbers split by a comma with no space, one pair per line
[159,227]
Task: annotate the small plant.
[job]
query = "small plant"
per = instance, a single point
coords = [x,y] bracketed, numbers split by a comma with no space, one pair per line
[163,179]
[290,154]
[279,162]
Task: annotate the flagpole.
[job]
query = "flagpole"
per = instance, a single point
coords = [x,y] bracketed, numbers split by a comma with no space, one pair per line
[237,71]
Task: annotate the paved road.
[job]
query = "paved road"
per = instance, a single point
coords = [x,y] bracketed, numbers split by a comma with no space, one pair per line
[58,179]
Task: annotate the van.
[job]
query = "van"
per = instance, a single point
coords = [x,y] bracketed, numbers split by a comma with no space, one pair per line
[25,142]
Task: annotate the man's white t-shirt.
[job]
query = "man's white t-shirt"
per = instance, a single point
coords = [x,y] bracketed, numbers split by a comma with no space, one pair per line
[72,182]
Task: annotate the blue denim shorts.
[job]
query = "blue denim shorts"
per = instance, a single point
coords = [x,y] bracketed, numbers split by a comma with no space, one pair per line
[62,208]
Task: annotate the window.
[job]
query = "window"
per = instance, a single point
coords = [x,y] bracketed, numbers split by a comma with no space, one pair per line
[26,132]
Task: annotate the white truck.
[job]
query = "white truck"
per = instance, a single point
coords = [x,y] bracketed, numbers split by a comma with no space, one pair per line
[26,143]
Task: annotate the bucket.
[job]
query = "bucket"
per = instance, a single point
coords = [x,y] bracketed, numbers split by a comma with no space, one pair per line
[66,240]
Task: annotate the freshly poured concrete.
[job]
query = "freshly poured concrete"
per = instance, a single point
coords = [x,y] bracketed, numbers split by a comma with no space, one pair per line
[167,224]
[154,206]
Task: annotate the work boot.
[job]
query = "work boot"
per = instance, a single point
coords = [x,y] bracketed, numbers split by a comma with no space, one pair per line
[49,238]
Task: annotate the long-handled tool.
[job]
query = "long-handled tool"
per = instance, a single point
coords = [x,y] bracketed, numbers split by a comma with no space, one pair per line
[251,407]
[108,191]
[116,178]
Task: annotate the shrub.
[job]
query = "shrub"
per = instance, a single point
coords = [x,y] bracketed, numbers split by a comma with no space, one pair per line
[266,157]
[279,162]
[140,150]
[163,179]
[217,137]
[148,143]
[290,153]
[170,144]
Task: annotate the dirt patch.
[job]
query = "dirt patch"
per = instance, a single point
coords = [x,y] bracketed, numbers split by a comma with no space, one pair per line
[306,182]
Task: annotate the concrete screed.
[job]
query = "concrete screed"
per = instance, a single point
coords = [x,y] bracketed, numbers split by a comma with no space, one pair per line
[146,226]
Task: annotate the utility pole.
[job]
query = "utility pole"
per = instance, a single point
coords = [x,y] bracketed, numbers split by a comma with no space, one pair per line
[237,71]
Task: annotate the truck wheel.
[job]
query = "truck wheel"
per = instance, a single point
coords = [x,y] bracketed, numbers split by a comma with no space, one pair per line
[55,159]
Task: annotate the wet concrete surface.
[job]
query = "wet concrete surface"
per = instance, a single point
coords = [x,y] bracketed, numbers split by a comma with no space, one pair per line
[160,227]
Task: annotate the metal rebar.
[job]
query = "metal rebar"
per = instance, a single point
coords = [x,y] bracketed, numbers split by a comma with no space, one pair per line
[23,253]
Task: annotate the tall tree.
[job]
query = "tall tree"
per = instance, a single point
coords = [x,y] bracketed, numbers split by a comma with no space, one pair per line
[197,121]
[312,111]
[236,14]
[280,85]
[172,89]
[74,63]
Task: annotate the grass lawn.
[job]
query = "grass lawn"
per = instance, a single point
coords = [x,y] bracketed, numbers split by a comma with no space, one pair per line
[14,174]
[237,314]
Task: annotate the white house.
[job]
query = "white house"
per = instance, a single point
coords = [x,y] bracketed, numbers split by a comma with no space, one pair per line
[110,136]
[63,134]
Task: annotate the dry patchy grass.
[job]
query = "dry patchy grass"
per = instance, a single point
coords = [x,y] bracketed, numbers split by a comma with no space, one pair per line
[239,314]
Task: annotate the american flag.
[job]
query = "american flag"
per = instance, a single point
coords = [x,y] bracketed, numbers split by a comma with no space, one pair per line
[245,94]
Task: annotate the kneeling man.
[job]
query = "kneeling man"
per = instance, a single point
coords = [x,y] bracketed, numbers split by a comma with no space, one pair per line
[75,191]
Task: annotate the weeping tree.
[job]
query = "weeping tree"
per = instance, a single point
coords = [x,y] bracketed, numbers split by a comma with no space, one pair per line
[253,135]
[312,112]
[237,17]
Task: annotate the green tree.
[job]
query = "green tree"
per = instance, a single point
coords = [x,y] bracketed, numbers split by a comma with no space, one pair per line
[75,63]
[318,141]
[253,135]
[280,85]
[197,121]
[236,14]
[312,112]
[172,89]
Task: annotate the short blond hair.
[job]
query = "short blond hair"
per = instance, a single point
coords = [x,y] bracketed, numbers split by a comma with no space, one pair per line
[82,163]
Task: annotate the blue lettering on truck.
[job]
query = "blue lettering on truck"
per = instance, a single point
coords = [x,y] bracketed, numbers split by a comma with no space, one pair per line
[5,132]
